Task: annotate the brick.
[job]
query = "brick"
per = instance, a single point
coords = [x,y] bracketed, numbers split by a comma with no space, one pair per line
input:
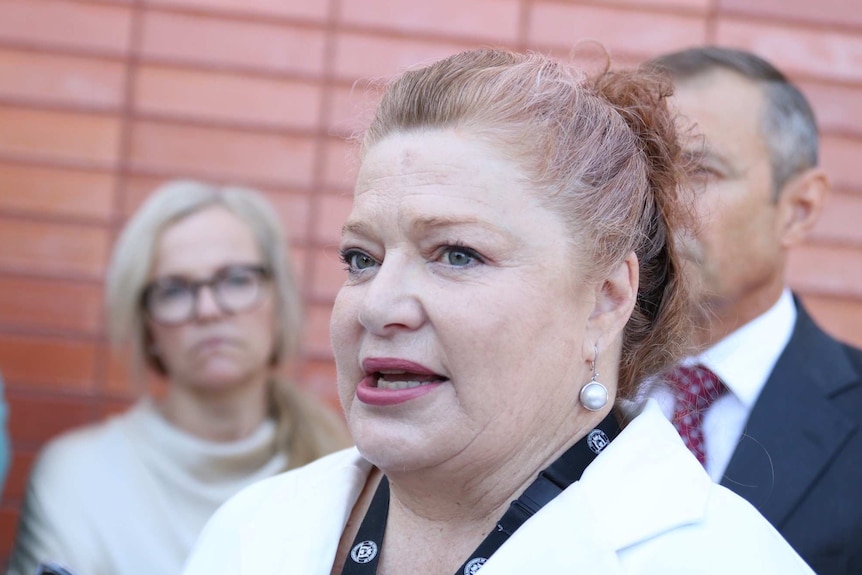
[119,379]
[60,24]
[318,378]
[493,21]
[8,528]
[36,419]
[845,12]
[61,79]
[839,222]
[353,109]
[227,97]
[298,260]
[293,212]
[136,189]
[222,153]
[200,39]
[840,158]
[842,318]
[53,249]
[341,162]
[56,192]
[826,270]
[59,135]
[50,304]
[332,213]
[19,471]
[625,31]
[329,274]
[692,5]
[365,56]
[307,9]
[821,53]
[838,108]
[316,331]
[47,362]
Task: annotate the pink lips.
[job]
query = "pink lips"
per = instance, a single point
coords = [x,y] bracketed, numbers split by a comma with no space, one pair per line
[368,392]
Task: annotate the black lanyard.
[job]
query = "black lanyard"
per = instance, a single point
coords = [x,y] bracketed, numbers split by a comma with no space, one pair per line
[365,552]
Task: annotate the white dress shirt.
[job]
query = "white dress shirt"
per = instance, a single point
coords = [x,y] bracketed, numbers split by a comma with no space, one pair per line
[743,361]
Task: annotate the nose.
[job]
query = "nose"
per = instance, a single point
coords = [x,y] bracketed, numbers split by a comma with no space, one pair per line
[206,306]
[392,299]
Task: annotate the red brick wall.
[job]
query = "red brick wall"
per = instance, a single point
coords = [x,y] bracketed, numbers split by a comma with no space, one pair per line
[102,99]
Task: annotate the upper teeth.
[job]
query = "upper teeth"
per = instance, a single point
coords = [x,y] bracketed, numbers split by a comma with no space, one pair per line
[385,384]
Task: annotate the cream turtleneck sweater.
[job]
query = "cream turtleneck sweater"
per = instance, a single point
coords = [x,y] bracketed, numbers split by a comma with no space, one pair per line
[130,495]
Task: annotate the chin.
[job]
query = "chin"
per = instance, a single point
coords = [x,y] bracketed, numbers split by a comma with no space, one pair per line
[393,459]
[221,378]
[398,447]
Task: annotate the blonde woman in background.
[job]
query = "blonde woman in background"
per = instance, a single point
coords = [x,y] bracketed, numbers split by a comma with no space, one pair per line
[200,290]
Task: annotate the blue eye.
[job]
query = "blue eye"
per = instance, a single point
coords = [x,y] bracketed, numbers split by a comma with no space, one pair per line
[460,256]
[357,260]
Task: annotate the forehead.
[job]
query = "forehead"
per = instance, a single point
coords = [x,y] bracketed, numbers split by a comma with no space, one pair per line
[725,108]
[435,169]
[202,242]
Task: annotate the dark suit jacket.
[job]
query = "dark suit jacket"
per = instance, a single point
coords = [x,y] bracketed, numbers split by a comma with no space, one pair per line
[800,458]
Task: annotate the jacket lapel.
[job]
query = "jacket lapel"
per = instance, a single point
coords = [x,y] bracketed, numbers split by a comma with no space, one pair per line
[793,431]
[646,476]
[322,504]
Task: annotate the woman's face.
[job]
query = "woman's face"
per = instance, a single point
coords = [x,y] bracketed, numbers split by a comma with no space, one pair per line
[459,334]
[214,349]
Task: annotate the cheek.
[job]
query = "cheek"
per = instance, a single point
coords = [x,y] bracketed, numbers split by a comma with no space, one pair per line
[260,327]
[344,334]
[343,324]
[170,345]
[514,335]
[166,338]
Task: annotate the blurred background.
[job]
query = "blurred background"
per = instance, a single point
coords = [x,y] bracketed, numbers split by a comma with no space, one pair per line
[101,100]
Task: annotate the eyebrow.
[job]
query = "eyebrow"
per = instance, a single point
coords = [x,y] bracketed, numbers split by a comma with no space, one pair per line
[423,225]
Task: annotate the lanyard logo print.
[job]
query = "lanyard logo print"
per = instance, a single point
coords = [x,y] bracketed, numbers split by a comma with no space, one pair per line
[364,552]
[597,440]
[472,567]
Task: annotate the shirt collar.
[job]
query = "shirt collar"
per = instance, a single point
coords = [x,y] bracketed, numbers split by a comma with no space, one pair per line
[744,359]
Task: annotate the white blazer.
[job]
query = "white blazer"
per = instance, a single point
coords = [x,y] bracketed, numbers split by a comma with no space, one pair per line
[644,506]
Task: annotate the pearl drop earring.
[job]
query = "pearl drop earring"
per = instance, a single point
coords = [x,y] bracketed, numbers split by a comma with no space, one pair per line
[594,395]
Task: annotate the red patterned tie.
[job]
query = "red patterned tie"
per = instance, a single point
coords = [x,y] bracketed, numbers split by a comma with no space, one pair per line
[695,388]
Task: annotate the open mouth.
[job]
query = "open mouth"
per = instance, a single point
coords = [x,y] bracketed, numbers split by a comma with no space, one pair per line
[397,379]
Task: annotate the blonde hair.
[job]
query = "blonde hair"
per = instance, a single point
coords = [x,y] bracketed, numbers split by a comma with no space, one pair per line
[306,430]
[601,150]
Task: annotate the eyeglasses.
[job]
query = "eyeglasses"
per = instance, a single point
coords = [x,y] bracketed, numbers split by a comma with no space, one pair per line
[173,300]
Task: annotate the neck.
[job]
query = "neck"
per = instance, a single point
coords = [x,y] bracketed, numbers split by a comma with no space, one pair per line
[456,506]
[473,492]
[223,415]
[718,319]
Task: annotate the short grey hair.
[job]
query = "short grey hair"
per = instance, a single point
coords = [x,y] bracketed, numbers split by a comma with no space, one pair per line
[133,258]
[788,123]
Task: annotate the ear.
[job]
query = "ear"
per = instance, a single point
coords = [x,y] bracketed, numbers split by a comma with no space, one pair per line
[800,204]
[614,301]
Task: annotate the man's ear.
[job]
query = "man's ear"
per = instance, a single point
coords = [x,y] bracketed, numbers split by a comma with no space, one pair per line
[800,203]
[615,299]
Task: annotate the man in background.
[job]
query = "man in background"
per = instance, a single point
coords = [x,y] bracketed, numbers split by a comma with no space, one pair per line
[772,405]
